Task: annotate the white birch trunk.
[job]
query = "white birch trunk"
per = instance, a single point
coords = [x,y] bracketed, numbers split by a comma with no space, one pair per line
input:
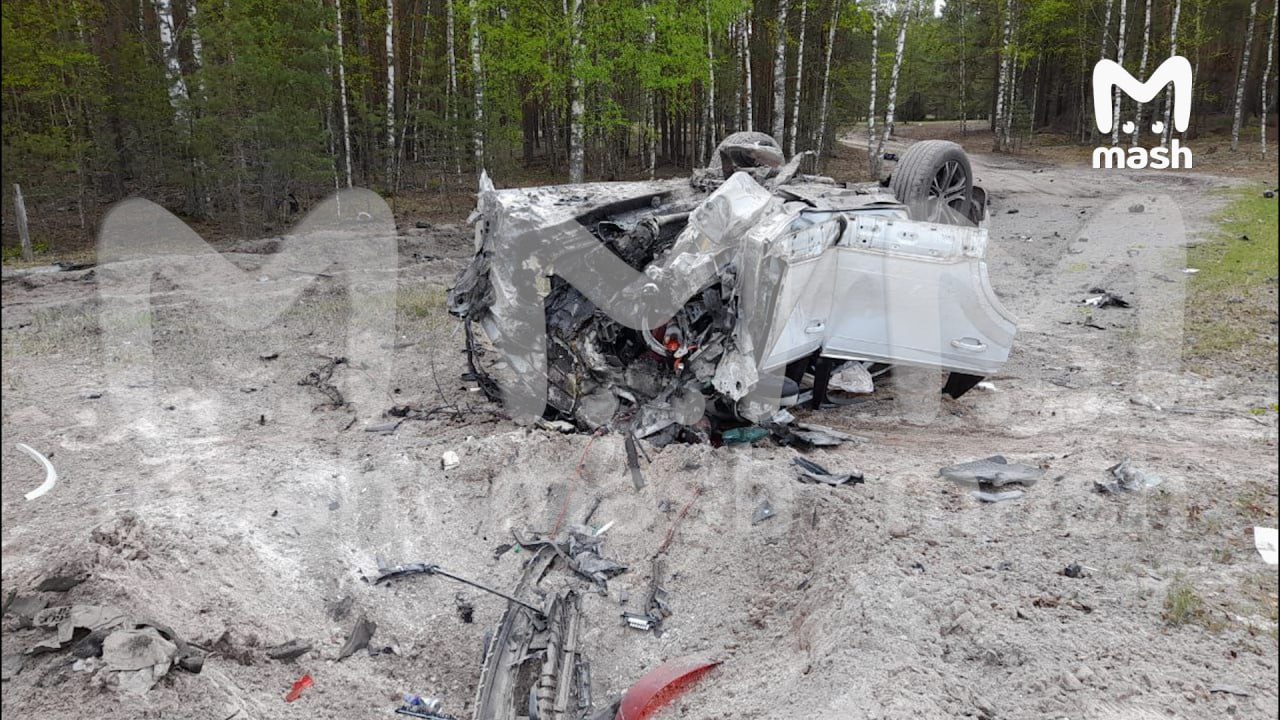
[1115,93]
[197,45]
[738,43]
[873,160]
[1011,87]
[1238,116]
[746,69]
[795,105]
[779,128]
[650,111]
[826,79]
[710,123]
[577,153]
[1173,50]
[1266,74]
[169,47]
[891,102]
[452,100]
[1142,71]
[1002,78]
[342,95]
[964,114]
[1102,51]
[391,91]
[477,84]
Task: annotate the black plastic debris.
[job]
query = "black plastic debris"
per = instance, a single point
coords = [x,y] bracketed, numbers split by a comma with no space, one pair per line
[1074,571]
[808,435]
[812,472]
[359,638]
[290,650]
[584,551]
[763,512]
[466,609]
[1102,298]
[61,581]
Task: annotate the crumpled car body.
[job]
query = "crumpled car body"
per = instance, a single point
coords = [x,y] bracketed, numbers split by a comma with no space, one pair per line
[768,270]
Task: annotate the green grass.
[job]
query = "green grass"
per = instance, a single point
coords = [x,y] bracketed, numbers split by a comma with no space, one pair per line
[1231,306]
[1232,264]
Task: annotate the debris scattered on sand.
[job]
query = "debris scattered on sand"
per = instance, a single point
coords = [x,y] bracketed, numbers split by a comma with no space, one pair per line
[662,685]
[995,471]
[50,474]
[995,497]
[290,650]
[449,460]
[140,657]
[1074,570]
[295,692]
[1146,402]
[1126,477]
[1265,540]
[321,380]
[763,512]
[989,476]
[1104,299]
[812,472]
[359,638]
[427,708]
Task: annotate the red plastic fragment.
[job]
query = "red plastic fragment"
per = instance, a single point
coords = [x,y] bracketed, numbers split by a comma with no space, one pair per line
[295,692]
[662,685]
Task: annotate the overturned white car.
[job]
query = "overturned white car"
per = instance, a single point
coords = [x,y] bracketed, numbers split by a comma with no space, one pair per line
[666,308]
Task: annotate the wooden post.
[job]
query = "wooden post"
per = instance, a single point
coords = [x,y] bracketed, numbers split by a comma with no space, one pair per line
[20,209]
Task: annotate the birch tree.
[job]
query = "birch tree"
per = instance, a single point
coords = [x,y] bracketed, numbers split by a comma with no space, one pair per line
[1173,50]
[451,99]
[391,92]
[891,101]
[650,112]
[1142,71]
[746,70]
[1115,92]
[780,76]
[577,154]
[1238,115]
[169,49]
[742,108]
[1102,50]
[1266,74]
[795,106]
[477,87]
[873,160]
[710,123]
[826,78]
[964,82]
[1002,77]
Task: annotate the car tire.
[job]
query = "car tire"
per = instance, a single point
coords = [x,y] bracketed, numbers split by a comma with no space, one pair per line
[935,181]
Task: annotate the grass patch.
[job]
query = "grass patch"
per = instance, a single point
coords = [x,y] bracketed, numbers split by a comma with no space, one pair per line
[1184,606]
[1231,303]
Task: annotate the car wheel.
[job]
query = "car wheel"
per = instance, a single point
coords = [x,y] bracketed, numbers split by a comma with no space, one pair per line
[935,182]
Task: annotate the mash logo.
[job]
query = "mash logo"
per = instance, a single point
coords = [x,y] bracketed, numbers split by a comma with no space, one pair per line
[1109,79]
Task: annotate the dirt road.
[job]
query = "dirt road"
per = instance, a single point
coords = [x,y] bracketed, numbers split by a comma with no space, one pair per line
[255,509]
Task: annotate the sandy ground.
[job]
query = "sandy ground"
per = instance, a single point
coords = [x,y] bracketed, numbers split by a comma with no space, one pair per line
[226,500]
